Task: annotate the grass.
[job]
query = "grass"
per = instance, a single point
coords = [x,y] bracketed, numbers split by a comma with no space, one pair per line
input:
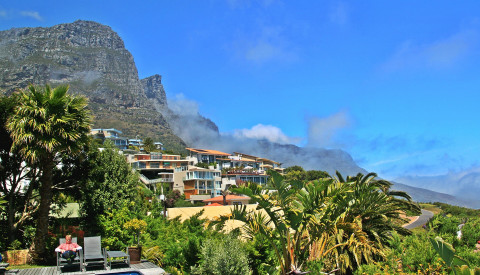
[430,207]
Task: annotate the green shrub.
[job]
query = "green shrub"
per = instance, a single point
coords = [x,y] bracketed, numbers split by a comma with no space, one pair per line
[466,253]
[413,253]
[471,232]
[180,243]
[261,255]
[224,255]
[444,224]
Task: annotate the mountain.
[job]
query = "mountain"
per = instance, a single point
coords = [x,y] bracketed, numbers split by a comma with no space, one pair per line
[92,59]
[464,184]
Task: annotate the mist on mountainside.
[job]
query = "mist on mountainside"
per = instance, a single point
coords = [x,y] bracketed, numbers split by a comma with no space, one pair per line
[199,132]
[465,184]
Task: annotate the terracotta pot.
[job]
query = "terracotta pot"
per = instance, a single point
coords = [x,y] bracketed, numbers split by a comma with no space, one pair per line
[135,254]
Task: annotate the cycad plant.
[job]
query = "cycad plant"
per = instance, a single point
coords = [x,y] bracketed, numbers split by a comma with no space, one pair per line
[368,213]
[290,214]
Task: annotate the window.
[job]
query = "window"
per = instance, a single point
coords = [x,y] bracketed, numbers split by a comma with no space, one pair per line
[154,165]
[237,203]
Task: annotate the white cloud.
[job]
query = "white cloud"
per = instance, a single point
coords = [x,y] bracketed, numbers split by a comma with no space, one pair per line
[321,131]
[268,132]
[464,184]
[439,54]
[181,105]
[33,14]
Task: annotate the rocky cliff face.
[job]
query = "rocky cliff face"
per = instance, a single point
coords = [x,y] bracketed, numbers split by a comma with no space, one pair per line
[154,91]
[92,59]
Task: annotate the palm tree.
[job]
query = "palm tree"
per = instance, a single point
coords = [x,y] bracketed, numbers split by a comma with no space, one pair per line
[291,216]
[370,212]
[225,192]
[45,124]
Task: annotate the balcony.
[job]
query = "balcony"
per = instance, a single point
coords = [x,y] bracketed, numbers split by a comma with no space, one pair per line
[154,181]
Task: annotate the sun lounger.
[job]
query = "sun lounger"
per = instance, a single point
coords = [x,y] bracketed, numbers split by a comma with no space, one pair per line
[93,253]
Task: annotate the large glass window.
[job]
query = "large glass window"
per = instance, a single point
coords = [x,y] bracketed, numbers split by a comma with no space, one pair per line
[154,165]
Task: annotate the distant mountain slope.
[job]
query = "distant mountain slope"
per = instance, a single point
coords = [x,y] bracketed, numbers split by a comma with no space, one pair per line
[92,59]
[426,195]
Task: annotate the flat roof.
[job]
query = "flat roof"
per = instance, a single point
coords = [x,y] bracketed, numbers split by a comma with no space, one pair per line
[110,130]
[208,152]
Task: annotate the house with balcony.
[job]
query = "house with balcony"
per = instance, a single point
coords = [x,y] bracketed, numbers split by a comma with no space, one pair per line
[198,183]
[267,164]
[157,168]
[261,164]
[158,145]
[240,168]
[205,155]
[135,142]
[111,134]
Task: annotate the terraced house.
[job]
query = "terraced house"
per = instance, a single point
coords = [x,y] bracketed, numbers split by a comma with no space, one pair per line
[219,170]
[157,168]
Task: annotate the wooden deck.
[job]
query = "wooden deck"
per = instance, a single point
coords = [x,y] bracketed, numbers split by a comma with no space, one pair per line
[146,268]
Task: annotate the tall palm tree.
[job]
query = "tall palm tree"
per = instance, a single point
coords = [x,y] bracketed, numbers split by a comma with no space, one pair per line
[45,124]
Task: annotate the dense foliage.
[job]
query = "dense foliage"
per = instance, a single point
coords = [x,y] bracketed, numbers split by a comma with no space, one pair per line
[303,221]
[340,222]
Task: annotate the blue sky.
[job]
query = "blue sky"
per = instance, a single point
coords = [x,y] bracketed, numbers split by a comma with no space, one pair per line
[394,83]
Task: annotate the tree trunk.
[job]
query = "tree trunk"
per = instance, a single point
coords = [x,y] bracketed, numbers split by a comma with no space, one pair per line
[38,249]
[11,216]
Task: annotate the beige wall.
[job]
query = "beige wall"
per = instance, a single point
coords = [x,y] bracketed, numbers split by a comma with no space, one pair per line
[211,212]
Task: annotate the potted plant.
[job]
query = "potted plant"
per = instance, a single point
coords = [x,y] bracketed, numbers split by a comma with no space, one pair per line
[135,227]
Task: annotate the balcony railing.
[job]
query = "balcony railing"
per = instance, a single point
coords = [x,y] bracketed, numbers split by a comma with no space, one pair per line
[241,172]
[153,181]
[181,169]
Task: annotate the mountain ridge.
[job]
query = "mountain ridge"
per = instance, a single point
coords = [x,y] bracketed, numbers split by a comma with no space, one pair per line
[92,59]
